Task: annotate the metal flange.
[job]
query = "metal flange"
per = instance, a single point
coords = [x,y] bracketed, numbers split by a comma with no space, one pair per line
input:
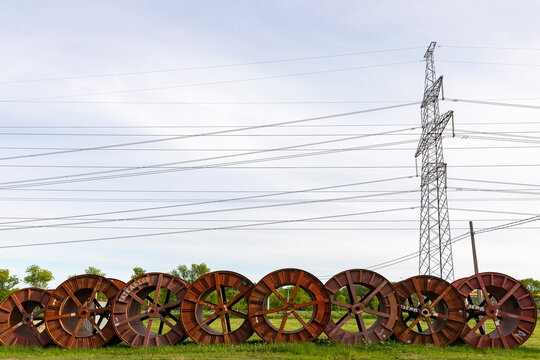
[219,295]
[78,312]
[365,293]
[500,311]
[22,319]
[431,311]
[146,312]
[282,300]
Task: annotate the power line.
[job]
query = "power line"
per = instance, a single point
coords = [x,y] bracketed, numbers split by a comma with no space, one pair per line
[243,126]
[480,102]
[488,47]
[218,201]
[490,63]
[91,176]
[260,167]
[213,132]
[304,202]
[495,182]
[455,240]
[197,230]
[268,149]
[222,82]
[177,69]
[218,135]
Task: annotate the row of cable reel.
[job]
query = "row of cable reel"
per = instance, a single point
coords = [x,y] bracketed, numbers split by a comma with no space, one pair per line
[356,306]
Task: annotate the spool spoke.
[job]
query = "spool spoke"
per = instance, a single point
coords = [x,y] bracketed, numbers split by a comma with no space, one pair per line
[139,300]
[370,296]
[343,320]
[508,294]
[501,334]
[418,291]
[147,334]
[378,313]
[167,297]
[61,316]
[19,305]
[237,297]
[73,336]
[208,321]
[351,289]
[158,289]
[281,327]
[310,303]
[278,295]
[238,314]
[297,286]
[101,309]
[132,318]
[95,291]
[433,334]
[269,311]
[170,325]
[339,303]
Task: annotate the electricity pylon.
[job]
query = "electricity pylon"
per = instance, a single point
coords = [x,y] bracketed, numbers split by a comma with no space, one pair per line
[435,242]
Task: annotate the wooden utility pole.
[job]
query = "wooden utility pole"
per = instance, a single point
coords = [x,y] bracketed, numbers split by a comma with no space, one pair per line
[475,260]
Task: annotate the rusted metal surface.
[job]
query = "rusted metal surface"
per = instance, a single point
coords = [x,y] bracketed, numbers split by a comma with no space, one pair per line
[146,311]
[78,312]
[119,283]
[215,307]
[502,312]
[365,290]
[22,318]
[431,311]
[275,316]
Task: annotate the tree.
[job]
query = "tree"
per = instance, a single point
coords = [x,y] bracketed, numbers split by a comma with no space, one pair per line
[190,274]
[137,271]
[7,283]
[94,271]
[38,277]
[534,288]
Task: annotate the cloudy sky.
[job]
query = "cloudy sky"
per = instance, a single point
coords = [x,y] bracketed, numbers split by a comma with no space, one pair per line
[168,132]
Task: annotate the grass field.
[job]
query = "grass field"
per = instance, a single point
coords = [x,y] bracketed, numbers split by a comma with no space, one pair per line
[322,348]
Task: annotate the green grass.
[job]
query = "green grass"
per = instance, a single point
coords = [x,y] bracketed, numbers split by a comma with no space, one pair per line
[322,348]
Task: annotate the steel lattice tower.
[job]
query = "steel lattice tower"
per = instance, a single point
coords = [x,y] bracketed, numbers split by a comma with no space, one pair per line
[435,242]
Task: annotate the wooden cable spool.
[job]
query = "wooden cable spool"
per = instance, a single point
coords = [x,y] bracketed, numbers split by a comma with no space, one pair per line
[363,293]
[215,309]
[22,319]
[431,311]
[500,311]
[279,300]
[78,312]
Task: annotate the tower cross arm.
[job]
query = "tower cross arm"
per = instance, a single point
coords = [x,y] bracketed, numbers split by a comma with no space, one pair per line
[432,131]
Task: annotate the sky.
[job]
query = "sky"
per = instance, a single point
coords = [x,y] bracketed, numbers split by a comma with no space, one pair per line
[169,132]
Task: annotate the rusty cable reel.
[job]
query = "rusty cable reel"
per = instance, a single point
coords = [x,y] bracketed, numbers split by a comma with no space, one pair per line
[146,312]
[431,311]
[289,305]
[215,309]
[22,318]
[365,304]
[500,311]
[78,312]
